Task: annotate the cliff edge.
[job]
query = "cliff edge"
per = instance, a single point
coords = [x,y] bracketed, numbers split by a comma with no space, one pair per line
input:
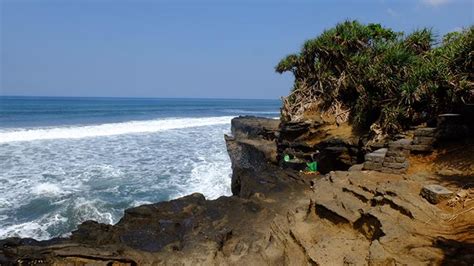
[279,215]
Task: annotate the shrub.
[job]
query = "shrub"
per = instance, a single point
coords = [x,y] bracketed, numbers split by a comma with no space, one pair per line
[382,78]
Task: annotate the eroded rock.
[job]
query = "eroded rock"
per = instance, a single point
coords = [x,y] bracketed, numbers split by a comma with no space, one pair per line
[436,193]
[276,217]
[251,127]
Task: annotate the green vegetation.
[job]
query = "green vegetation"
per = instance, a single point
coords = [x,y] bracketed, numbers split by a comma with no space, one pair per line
[379,79]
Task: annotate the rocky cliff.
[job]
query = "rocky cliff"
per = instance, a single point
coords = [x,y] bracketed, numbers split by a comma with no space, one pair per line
[282,216]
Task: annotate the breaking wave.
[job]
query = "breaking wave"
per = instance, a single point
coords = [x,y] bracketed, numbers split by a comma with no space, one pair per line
[132,127]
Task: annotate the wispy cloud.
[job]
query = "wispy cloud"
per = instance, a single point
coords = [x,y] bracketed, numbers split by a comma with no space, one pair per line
[435,2]
[392,12]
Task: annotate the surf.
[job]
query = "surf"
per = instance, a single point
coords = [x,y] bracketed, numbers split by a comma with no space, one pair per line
[110,129]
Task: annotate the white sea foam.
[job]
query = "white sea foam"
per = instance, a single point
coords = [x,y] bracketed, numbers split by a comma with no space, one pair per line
[97,178]
[209,173]
[89,210]
[36,229]
[137,203]
[210,178]
[46,189]
[132,127]
[40,228]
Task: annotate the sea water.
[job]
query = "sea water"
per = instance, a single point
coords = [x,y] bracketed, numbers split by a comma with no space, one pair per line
[67,160]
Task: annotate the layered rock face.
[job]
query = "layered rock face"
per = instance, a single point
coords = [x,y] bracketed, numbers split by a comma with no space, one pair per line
[313,141]
[277,216]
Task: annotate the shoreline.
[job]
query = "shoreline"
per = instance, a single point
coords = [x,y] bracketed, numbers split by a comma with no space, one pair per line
[358,216]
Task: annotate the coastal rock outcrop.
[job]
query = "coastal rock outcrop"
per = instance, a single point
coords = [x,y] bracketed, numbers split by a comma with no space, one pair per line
[254,158]
[251,127]
[277,217]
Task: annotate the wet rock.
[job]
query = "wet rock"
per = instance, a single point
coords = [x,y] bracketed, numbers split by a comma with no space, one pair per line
[435,193]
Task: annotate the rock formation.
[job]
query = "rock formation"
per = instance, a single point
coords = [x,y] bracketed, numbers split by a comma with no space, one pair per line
[280,216]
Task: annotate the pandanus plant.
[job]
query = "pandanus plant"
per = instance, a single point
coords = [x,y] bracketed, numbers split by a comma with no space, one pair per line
[374,77]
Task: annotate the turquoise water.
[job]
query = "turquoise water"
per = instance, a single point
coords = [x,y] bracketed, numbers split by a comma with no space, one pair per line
[67,160]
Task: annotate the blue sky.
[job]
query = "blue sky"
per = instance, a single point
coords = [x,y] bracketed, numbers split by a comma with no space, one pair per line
[210,49]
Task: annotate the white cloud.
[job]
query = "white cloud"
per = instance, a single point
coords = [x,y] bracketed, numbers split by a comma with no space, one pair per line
[392,12]
[435,2]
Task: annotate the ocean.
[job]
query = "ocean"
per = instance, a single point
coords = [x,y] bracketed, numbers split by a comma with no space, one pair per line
[67,160]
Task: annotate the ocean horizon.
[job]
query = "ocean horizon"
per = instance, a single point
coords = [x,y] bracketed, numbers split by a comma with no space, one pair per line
[65,160]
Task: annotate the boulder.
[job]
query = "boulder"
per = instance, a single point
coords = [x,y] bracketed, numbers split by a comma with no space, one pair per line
[435,193]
